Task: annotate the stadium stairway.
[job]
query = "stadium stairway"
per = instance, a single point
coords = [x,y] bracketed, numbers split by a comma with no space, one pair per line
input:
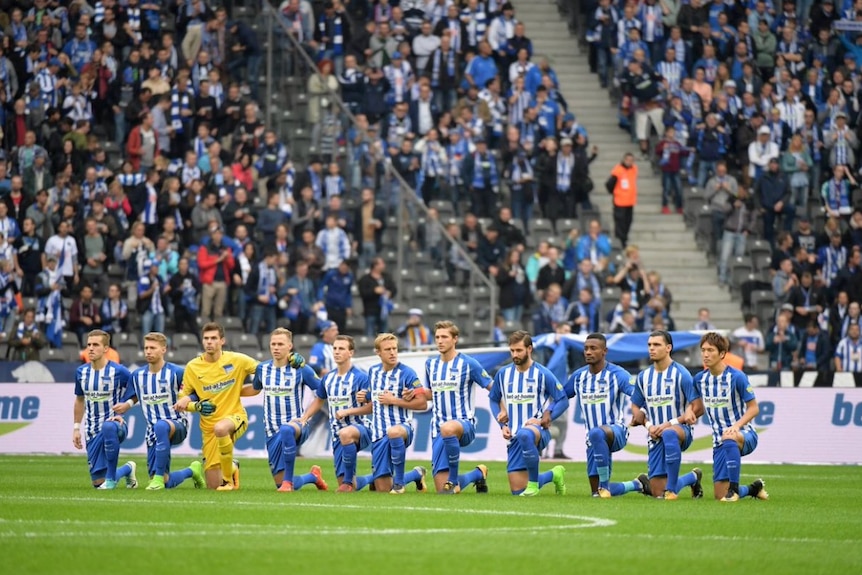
[665,244]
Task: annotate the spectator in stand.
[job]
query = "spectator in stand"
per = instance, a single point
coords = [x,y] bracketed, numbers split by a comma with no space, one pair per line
[831,259]
[152,299]
[595,246]
[335,293]
[492,251]
[814,354]
[784,281]
[84,314]
[796,163]
[551,312]
[215,262]
[720,193]
[26,339]
[761,152]
[808,301]
[850,278]
[772,193]
[749,341]
[515,296]
[29,249]
[377,290]
[551,273]
[300,294]
[185,290]
[670,153]
[782,344]
[836,193]
[370,221]
[114,311]
[261,290]
[63,247]
[738,226]
[848,354]
[703,321]
[334,242]
[413,334]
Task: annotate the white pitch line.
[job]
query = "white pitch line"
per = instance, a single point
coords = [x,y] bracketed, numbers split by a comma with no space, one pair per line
[600,522]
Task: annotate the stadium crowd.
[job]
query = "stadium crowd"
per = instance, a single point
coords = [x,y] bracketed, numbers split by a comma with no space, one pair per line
[141,187]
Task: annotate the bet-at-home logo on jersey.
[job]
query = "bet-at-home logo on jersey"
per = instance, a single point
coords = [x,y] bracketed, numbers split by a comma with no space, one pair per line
[339,400]
[218,387]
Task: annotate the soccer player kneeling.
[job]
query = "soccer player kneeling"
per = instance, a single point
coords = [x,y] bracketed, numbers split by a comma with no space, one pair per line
[731,406]
[282,380]
[99,385]
[394,392]
[156,386]
[347,423]
[217,379]
[531,398]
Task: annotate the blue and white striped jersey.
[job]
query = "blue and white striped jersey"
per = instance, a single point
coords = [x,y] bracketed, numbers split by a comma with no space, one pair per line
[101,390]
[850,354]
[664,394]
[339,391]
[157,392]
[526,394]
[449,383]
[601,396]
[397,380]
[724,399]
[282,392]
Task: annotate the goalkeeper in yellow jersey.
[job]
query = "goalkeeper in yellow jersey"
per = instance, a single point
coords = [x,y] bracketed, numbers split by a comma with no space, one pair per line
[217,379]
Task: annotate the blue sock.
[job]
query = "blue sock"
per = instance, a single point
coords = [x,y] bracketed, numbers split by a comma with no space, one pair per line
[623,488]
[363,480]
[177,477]
[602,455]
[545,478]
[304,479]
[672,458]
[469,477]
[124,471]
[287,436]
[398,452]
[733,458]
[743,491]
[527,441]
[410,477]
[453,456]
[686,480]
[348,460]
[162,430]
[111,439]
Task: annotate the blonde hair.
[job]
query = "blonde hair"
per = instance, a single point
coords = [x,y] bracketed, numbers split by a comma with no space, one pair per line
[382,338]
[282,331]
[106,337]
[157,337]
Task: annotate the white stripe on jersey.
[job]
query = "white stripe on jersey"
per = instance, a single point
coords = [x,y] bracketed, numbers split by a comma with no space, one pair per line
[526,394]
[158,393]
[339,391]
[663,392]
[450,385]
[724,399]
[396,381]
[101,389]
[602,396]
[282,393]
[850,355]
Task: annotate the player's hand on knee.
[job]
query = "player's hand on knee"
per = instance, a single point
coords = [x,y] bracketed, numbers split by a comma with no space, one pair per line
[295,360]
[206,407]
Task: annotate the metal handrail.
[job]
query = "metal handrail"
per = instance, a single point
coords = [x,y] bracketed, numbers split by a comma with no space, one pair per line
[475,270]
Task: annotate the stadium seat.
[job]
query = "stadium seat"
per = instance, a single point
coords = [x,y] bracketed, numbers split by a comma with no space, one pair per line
[70,338]
[125,338]
[301,342]
[757,247]
[243,341]
[740,263]
[184,355]
[186,340]
[51,354]
[128,352]
[762,262]
[434,279]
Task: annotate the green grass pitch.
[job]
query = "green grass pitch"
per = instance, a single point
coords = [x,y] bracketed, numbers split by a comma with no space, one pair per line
[51,521]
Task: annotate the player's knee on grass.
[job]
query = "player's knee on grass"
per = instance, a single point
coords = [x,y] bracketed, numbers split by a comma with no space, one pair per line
[452,429]
[719,489]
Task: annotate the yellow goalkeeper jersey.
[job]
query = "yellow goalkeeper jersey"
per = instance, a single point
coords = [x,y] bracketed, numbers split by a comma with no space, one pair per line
[220,382]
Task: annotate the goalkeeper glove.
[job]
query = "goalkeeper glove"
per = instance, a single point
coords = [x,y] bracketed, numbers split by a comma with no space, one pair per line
[205,407]
[296,361]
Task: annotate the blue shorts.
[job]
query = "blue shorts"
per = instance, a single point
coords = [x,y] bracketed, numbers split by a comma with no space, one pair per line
[96,453]
[337,453]
[274,449]
[621,438]
[381,454]
[180,433]
[719,464]
[656,466]
[515,460]
[439,461]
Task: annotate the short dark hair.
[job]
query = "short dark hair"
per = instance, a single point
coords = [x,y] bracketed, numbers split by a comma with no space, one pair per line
[521,336]
[664,334]
[599,337]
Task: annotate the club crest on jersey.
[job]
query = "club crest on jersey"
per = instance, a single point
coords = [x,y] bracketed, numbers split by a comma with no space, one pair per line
[228,368]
